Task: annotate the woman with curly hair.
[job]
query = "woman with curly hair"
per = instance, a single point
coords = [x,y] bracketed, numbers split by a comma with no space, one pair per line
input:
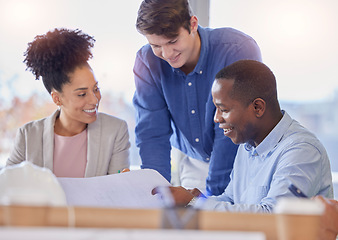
[76,140]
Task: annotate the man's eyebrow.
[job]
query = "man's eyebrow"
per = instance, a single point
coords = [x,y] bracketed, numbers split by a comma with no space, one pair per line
[167,42]
[219,104]
[153,44]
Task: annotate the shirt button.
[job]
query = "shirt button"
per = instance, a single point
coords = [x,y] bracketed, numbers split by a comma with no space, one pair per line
[197,139]
[193,111]
[207,159]
[189,84]
[201,72]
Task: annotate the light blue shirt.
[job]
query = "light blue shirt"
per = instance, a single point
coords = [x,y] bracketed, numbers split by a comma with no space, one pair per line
[262,174]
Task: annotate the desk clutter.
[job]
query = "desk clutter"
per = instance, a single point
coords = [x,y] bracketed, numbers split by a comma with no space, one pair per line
[53,208]
[28,184]
[298,227]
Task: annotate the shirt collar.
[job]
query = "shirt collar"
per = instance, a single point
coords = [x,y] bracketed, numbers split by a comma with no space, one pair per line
[199,68]
[273,137]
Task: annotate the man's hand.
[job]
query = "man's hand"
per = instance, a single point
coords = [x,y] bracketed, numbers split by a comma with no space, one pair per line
[196,192]
[180,195]
[329,223]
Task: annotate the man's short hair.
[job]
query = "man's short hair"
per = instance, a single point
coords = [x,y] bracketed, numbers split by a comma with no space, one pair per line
[252,79]
[163,17]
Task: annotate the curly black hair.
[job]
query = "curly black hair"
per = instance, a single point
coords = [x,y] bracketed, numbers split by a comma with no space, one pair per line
[56,54]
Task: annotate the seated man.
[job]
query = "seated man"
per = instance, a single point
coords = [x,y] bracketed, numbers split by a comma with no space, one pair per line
[274,150]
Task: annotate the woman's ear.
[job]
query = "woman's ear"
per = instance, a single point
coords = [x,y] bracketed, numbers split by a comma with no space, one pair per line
[259,107]
[56,97]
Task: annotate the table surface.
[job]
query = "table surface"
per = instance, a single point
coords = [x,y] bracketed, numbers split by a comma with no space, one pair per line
[56,233]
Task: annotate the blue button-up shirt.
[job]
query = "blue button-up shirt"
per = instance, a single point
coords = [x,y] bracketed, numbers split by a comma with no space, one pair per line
[262,174]
[175,109]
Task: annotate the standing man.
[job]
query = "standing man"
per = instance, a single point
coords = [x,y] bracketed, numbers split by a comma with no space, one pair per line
[173,77]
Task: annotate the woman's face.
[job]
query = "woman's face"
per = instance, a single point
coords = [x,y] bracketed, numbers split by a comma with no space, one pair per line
[80,98]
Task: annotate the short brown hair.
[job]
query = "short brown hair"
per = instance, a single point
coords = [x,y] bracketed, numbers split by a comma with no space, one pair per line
[163,17]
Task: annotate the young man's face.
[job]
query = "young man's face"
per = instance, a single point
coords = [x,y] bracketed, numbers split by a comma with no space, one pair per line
[236,119]
[181,51]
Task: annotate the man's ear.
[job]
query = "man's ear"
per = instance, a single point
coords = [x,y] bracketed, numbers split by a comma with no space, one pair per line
[259,106]
[56,97]
[193,24]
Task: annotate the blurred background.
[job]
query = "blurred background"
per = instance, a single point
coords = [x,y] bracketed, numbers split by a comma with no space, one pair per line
[298,40]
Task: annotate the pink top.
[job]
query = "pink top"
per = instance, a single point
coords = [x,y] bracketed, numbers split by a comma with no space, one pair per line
[70,155]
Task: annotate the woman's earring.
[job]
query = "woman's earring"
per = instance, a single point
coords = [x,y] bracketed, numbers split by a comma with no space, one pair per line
[59,105]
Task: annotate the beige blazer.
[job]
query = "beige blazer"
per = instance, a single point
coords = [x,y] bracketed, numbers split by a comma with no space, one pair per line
[107,149]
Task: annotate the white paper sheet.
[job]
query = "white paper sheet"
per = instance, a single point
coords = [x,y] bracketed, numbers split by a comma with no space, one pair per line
[124,190]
